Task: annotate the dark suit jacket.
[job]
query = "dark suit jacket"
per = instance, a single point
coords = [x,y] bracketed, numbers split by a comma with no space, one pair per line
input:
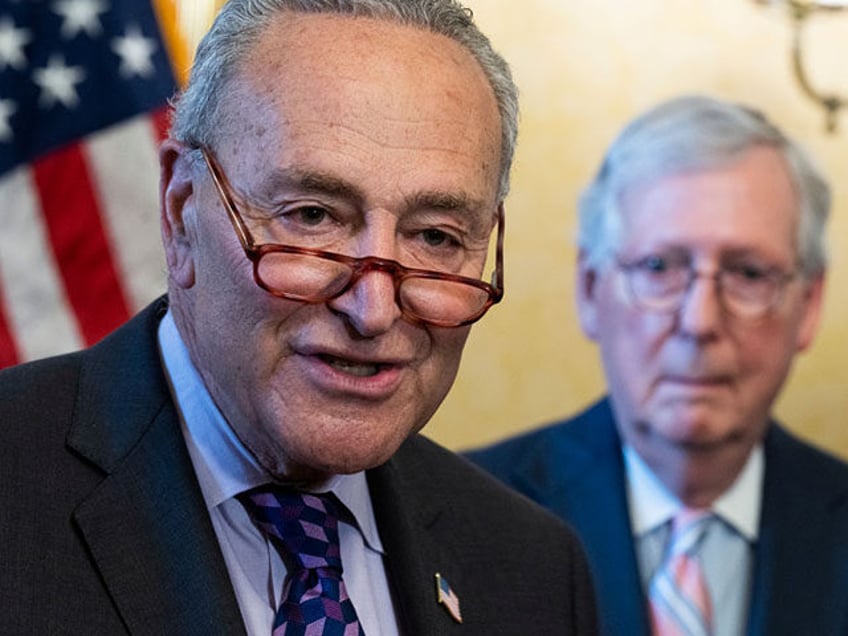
[103,528]
[575,468]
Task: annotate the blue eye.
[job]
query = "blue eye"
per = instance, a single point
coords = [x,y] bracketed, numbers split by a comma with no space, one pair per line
[654,263]
[659,264]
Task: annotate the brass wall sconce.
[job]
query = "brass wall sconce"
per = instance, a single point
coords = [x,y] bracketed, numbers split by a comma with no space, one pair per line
[800,11]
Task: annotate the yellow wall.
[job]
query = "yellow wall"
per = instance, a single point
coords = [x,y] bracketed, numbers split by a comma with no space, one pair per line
[584,67]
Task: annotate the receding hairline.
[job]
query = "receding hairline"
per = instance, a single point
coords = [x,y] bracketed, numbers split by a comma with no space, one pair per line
[197,108]
[460,55]
[695,133]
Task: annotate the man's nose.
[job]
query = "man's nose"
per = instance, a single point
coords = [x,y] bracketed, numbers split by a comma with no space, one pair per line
[370,305]
[701,309]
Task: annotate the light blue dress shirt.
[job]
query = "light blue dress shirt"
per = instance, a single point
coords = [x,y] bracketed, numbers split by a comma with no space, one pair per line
[727,551]
[225,468]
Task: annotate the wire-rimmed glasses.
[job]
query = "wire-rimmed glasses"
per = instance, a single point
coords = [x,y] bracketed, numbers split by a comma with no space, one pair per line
[660,284]
[315,276]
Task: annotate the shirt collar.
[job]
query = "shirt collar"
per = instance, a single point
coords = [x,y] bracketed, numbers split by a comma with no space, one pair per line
[223,465]
[651,504]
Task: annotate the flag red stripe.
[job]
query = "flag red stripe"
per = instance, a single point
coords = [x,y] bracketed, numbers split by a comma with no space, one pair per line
[71,213]
[9,354]
[161,119]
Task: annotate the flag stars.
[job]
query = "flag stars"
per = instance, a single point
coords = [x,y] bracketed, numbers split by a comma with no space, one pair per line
[80,15]
[58,82]
[135,52]
[12,42]
[7,109]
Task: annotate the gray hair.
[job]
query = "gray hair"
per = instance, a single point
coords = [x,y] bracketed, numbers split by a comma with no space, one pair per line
[198,111]
[693,133]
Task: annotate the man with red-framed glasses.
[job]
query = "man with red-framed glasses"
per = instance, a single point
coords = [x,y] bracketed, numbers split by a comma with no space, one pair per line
[242,457]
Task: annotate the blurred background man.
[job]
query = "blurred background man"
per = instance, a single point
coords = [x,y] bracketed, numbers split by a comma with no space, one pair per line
[700,276]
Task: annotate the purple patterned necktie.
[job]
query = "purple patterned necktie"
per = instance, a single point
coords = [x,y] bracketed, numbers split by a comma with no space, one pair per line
[305,526]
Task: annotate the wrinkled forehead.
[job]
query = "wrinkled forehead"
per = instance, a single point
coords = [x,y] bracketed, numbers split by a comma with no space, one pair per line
[747,204]
[362,68]
[383,106]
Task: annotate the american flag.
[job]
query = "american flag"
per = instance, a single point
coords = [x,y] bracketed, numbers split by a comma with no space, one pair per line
[83,92]
[447,597]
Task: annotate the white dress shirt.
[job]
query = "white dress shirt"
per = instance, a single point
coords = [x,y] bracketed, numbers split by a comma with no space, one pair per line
[727,552]
[225,468]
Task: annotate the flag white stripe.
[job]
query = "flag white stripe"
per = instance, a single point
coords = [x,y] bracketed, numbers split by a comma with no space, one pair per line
[125,172]
[39,315]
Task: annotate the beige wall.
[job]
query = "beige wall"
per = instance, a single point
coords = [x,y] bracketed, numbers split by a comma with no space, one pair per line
[584,67]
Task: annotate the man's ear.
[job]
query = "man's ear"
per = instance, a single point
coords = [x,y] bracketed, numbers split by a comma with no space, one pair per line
[811,317]
[586,295]
[176,202]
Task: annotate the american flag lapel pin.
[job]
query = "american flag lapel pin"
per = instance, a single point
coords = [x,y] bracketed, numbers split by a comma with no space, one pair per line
[447,597]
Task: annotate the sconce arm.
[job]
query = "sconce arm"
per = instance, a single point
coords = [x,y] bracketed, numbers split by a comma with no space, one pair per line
[831,103]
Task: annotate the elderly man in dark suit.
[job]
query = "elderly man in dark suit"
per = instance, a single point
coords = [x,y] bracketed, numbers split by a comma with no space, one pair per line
[329,189]
[700,277]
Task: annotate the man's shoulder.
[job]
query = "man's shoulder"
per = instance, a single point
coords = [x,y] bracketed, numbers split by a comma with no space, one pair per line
[789,459]
[40,400]
[488,538]
[481,518]
[35,393]
[571,441]
[431,469]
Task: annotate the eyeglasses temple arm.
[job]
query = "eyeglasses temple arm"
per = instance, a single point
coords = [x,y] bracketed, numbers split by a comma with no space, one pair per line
[239,226]
[497,275]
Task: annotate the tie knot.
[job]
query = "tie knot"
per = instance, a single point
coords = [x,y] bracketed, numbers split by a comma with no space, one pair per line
[305,524]
[688,529]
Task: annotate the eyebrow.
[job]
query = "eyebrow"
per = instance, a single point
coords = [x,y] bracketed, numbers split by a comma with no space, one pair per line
[312,182]
[724,254]
[447,201]
[316,182]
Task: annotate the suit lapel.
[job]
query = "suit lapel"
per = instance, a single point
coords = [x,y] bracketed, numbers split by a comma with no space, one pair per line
[407,517]
[792,557]
[146,524]
[151,538]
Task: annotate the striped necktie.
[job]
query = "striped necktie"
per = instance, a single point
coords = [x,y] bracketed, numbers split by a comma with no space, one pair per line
[679,599]
[305,526]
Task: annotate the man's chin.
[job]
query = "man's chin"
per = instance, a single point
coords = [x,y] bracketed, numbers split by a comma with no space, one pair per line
[341,460]
[694,430]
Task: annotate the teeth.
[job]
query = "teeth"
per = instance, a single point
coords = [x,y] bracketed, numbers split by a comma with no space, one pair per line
[353,368]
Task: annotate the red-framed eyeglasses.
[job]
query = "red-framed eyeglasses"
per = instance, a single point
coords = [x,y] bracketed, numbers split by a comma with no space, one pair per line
[312,275]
